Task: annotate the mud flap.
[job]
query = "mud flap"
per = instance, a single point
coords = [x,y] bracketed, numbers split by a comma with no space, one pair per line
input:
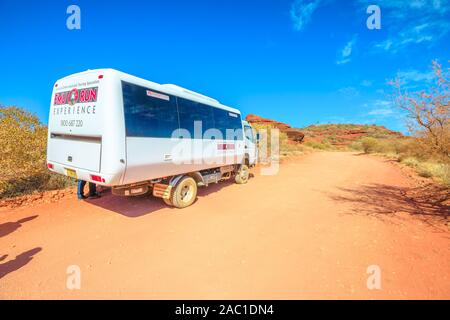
[162,190]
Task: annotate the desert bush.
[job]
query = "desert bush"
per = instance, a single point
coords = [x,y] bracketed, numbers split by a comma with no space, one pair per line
[445,174]
[23,140]
[318,145]
[438,171]
[369,144]
[410,161]
[400,146]
[291,149]
[356,145]
[427,169]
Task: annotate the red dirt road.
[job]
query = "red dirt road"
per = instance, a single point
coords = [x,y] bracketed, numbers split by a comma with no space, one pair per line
[311,231]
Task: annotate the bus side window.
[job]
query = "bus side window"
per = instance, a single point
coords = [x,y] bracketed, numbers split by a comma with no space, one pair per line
[191,112]
[148,113]
[228,123]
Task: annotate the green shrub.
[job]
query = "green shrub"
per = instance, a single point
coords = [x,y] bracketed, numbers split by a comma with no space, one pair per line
[410,162]
[439,171]
[356,145]
[369,144]
[318,145]
[23,140]
[427,169]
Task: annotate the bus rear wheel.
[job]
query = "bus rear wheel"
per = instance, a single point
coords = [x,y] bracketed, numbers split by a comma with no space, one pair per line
[184,193]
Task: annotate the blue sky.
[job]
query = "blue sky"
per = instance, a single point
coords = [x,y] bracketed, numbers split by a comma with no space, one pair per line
[300,61]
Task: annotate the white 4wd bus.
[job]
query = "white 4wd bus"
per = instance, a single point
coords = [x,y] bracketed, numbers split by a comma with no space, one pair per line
[137,136]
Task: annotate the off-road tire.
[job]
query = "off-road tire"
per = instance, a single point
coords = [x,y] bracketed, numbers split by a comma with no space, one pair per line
[184,193]
[242,175]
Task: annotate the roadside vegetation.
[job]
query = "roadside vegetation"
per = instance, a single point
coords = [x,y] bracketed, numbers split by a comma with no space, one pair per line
[409,151]
[23,140]
[427,113]
[426,149]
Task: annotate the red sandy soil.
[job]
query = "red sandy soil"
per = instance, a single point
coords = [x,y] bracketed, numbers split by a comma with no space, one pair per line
[311,231]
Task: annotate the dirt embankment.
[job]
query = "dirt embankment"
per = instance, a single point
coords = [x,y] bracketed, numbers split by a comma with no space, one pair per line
[310,231]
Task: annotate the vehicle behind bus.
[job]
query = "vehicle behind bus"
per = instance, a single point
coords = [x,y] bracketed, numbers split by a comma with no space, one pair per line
[137,136]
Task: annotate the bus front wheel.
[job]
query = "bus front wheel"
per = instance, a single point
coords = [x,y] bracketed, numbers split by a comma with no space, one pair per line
[242,175]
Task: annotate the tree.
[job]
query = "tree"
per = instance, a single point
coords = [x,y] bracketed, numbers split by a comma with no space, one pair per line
[23,141]
[428,111]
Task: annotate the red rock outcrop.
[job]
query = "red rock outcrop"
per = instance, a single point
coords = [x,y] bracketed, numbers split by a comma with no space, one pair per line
[333,134]
[293,134]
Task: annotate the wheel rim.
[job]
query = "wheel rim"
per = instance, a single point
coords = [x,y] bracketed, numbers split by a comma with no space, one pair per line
[244,173]
[187,192]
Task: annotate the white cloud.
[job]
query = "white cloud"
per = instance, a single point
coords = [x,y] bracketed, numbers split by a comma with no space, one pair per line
[343,61]
[301,12]
[415,76]
[347,52]
[381,103]
[380,109]
[415,79]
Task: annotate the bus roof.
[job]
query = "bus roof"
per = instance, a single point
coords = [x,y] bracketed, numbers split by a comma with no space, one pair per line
[166,88]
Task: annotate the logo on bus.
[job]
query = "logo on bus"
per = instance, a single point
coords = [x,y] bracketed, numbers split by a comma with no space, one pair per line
[76,96]
[225,146]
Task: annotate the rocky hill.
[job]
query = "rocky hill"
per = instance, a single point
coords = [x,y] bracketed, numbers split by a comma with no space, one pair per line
[345,134]
[333,134]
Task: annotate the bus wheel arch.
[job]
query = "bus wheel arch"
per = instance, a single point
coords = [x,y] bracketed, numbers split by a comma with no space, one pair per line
[247,160]
[196,176]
